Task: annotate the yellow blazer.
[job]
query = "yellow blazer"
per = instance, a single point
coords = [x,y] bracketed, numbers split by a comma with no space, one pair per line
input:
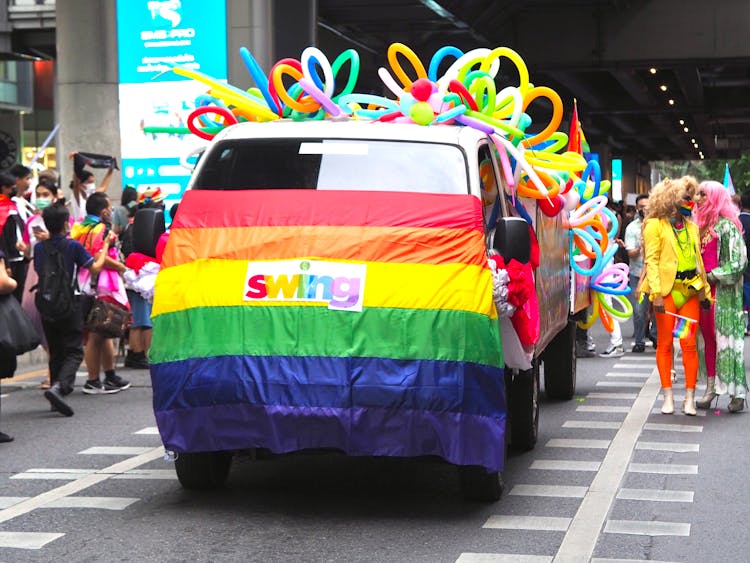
[660,260]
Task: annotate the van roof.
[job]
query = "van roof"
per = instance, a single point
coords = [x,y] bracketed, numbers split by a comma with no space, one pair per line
[353,130]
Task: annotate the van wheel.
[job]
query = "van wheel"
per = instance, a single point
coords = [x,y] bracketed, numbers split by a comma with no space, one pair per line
[203,470]
[524,408]
[479,484]
[560,364]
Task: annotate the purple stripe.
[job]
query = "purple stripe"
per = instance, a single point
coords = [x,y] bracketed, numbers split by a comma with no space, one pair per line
[461,439]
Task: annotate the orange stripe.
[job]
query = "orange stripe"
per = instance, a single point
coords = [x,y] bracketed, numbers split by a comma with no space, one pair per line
[367,244]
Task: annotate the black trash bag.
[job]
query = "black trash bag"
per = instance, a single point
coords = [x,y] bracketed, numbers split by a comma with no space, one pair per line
[17,334]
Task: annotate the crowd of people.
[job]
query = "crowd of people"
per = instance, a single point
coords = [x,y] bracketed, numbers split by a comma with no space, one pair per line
[59,257]
[686,246]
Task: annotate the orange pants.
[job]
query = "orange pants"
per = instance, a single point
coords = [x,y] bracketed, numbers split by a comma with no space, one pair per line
[664,327]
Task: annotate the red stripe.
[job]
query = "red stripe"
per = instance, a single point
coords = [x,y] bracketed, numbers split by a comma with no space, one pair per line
[280,208]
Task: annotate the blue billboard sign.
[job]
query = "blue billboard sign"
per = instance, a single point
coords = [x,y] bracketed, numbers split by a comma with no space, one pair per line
[153,36]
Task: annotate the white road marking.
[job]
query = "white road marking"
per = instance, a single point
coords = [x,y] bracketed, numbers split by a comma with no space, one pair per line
[537,523]
[672,427]
[148,474]
[582,534]
[564,465]
[79,485]
[647,528]
[641,374]
[594,424]
[623,396]
[619,384]
[27,540]
[502,558]
[5,502]
[106,503]
[62,476]
[150,430]
[677,411]
[560,491]
[600,560]
[115,450]
[648,368]
[602,408]
[663,468]
[3,396]
[577,443]
[676,447]
[641,359]
[655,495]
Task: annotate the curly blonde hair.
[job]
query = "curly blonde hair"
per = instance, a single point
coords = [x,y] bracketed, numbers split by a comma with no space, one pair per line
[668,195]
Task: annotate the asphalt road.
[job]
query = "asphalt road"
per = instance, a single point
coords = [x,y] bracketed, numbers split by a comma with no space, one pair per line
[601,481]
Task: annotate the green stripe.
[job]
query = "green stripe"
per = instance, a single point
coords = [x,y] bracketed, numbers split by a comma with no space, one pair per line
[316,331]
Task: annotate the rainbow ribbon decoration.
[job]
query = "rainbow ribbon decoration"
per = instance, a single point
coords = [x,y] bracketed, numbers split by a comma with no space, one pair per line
[256,346]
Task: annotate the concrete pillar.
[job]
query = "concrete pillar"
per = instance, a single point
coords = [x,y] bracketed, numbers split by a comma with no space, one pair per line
[87,84]
[249,24]
[295,24]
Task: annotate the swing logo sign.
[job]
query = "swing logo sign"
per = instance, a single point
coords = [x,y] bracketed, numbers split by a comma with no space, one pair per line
[341,285]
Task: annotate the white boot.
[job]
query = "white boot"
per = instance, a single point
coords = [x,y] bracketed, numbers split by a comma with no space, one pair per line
[668,406]
[708,398]
[688,407]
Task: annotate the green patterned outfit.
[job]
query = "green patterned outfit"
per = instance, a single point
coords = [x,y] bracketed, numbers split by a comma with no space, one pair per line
[728,313]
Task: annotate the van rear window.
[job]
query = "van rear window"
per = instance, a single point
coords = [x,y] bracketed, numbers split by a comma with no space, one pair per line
[333,164]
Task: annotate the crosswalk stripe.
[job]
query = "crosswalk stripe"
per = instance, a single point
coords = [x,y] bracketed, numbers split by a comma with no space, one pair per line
[655,495]
[602,408]
[27,540]
[564,465]
[633,366]
[538,523]
[647,528]
[62,476]
[601,560]
[616,396]
[560,491]
[5,502]
[106,503]
[672,427]
[115,450]
[593,424]
[619,384]
[641,359]
[577,443]
[657,410]
[147,474]
[641,374]
[502,558]
[663,468]
[150,430]
[676,447]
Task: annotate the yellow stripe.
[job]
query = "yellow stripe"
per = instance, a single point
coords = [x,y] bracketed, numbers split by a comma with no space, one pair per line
[220,283]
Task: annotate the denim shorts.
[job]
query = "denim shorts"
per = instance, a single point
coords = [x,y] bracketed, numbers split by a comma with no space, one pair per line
[141,310]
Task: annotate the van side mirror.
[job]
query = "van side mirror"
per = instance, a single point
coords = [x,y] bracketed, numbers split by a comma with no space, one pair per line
[511,239]
[148,226]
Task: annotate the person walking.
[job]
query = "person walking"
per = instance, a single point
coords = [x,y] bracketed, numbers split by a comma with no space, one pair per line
[745,220]
[100,351]
[723,326]
[7,360]
[675,281]
[65,333]
[11,229]
[634,246]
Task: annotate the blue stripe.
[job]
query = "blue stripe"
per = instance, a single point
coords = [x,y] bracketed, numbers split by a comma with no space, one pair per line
[309,381]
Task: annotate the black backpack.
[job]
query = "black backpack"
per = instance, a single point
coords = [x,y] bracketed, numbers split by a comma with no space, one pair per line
[126,240]
[54,292]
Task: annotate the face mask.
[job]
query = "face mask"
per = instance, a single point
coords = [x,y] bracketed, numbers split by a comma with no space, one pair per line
[90,188]
[686,209]
[43,203]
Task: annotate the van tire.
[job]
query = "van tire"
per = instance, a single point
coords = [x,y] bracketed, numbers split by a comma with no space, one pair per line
[479,484]
[560,364]
[524,408]
[203,470]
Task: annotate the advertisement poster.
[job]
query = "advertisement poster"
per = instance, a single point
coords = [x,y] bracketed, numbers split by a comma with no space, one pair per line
[153,35]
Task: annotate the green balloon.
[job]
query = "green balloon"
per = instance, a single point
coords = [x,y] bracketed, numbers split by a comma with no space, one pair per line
[421,112]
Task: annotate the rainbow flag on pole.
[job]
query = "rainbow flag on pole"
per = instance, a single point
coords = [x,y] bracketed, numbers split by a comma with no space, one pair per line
[362,321]
[684,327]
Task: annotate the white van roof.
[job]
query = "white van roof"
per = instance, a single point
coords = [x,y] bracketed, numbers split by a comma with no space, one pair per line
[352,129]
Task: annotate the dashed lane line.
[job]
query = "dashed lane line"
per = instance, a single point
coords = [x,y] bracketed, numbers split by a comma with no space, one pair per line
[582,534]
[79,484]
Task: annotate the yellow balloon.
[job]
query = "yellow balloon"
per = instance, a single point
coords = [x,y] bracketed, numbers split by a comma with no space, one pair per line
[399,48]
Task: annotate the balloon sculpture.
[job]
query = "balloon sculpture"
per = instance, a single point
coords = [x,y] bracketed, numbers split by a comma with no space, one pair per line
[533,165]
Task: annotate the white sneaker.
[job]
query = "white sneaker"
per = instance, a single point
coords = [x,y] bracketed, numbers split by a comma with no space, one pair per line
[612,352]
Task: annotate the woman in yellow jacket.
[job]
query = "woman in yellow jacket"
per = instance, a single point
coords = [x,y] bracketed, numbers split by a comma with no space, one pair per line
[675,281]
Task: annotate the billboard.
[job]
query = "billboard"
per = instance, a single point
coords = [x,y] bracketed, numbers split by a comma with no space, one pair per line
[153,35]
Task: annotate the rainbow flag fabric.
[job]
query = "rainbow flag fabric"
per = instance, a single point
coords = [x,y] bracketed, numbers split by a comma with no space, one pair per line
[684,327]
[297,319]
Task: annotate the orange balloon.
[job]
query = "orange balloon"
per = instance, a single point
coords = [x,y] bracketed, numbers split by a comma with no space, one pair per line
[557,112]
